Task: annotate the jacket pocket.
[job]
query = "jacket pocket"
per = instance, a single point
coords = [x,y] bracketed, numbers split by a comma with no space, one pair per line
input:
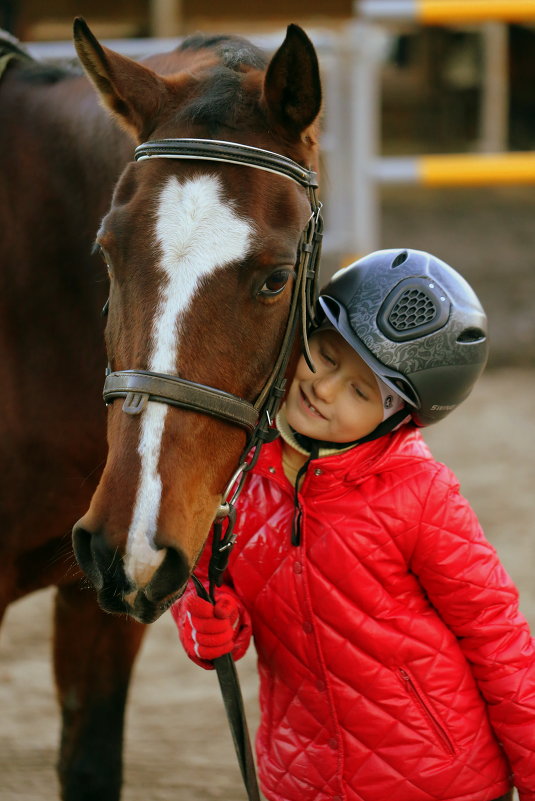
[426,708]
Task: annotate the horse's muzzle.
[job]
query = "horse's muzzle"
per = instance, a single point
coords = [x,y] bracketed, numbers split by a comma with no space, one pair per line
[116,593]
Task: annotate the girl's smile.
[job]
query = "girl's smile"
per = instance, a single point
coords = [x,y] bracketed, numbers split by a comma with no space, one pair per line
[309,407]
[341,401]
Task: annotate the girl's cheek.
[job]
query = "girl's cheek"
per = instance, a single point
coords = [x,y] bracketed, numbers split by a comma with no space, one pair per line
[302,367]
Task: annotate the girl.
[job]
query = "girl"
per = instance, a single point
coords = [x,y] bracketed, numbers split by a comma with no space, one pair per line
[394,662]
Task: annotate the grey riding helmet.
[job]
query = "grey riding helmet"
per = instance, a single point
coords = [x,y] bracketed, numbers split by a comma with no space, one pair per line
[416,323]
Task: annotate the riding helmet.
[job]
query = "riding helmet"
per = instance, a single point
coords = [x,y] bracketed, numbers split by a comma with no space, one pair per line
[417,324]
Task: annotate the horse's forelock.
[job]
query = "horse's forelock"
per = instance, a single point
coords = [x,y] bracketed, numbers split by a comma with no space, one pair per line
[222,98]
[215,75]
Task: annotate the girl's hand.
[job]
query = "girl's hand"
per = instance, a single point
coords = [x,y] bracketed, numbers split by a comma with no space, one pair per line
[209,631]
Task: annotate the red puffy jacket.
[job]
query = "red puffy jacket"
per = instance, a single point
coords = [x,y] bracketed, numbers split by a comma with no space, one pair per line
[394,663]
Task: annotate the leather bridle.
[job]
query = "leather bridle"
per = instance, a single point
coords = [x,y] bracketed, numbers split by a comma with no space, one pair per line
[138,387]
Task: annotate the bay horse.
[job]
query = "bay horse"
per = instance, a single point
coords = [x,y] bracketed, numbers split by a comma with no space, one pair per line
[200,258]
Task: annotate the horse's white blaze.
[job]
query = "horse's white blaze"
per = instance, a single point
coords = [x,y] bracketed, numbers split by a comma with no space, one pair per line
[197,231]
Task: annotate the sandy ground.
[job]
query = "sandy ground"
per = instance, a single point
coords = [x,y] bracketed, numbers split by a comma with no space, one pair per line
[178,746]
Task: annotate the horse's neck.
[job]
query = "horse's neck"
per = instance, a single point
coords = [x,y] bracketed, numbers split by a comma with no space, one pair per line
[58,147]
[60,157]
[64,123]
[101,149]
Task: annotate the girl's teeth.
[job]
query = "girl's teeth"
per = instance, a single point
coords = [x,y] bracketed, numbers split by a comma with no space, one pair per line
[311,407]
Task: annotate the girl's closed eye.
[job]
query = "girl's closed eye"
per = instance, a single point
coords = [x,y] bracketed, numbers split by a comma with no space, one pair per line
[359,392]
[327,356]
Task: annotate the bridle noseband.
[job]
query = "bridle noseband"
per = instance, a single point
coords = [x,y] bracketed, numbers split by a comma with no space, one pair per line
[138,387]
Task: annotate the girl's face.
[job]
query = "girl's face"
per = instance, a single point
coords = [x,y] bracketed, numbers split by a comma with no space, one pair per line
[341,401]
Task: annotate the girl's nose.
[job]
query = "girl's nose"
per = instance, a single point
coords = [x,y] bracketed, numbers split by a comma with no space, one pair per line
[326,386]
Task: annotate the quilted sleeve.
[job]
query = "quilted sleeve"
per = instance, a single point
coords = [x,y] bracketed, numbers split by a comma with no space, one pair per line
[472,592]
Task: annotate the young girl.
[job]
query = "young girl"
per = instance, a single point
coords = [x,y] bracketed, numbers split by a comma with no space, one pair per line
[394,662]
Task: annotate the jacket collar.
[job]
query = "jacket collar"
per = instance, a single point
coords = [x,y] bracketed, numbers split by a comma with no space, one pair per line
[390,452]
[287,434]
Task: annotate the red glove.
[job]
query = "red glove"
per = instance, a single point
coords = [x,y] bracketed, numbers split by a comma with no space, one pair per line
[209,631]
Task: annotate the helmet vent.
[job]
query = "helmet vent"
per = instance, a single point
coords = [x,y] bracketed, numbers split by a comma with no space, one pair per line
[400,258]
[412,309]
[416,307]
[471,335]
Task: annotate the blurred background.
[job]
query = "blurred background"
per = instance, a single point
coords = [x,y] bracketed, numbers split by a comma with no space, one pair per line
[398,90]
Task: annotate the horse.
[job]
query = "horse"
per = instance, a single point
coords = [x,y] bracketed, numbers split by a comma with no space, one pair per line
[201,243]
[200,261]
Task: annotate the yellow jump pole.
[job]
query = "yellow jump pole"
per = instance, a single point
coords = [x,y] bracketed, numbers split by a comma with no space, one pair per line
[436,12]
[445,12]
[464,169]
[478,170]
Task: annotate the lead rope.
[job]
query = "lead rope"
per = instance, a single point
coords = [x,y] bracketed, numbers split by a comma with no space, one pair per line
[222,541]
[229,684]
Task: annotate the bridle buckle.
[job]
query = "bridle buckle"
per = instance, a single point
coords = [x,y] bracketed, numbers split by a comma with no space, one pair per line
[135,402]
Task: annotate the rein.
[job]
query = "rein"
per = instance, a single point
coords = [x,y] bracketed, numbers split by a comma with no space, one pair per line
[138,387]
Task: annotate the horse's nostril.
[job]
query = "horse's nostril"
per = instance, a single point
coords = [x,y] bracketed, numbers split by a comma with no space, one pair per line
[170,576]
[81,543]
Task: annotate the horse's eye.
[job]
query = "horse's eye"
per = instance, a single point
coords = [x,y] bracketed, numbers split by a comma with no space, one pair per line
[104,256]
[275,283]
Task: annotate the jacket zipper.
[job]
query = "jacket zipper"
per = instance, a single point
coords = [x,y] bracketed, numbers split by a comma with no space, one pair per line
[424,706]
[298,509]
[296,525]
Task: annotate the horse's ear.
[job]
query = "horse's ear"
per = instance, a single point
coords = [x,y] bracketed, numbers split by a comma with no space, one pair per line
[292,86]
[131,91]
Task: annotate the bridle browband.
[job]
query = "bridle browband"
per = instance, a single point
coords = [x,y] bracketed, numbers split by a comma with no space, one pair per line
[138,387]
[228,152]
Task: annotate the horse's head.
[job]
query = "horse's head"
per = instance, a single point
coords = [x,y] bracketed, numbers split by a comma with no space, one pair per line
[202,260]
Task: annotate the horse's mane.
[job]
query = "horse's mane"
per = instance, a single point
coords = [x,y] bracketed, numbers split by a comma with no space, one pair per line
[34,71]
[52,72]
[9,44]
